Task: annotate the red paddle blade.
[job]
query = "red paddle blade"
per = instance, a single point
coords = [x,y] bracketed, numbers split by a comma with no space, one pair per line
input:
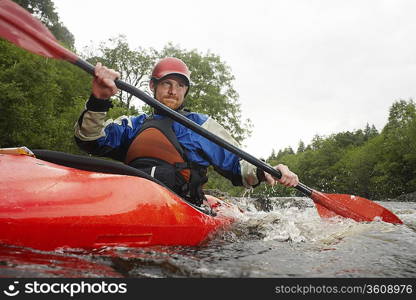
[22,29]
[324,212]
[353,207]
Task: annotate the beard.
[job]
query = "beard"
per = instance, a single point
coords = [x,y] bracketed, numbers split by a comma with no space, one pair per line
[171,102]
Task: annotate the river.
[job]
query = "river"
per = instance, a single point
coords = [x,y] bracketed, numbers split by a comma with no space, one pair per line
[285,238]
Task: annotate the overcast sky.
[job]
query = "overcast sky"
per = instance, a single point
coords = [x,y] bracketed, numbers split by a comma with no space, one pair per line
[301,67]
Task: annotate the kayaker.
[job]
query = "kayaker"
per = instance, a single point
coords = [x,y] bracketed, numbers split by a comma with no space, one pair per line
[155,144]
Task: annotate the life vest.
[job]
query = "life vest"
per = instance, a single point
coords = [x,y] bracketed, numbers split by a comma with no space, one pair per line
[156,151]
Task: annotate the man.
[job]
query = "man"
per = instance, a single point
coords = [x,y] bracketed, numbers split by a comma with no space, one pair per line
[155,144]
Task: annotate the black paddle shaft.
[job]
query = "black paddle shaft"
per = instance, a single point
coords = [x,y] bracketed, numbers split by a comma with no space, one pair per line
[194,126]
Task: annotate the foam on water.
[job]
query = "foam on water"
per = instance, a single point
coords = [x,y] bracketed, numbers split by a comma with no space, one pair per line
[295,219]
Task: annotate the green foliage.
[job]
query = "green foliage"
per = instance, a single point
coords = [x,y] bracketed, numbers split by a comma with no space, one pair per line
[44,10]
[357,170]
[119,109]
[364,162]
[216,181]
[135,65]
[40,100]
[397,159]
[212,90]
[301,147]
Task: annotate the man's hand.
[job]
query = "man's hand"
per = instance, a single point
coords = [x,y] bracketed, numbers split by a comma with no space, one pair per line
[288,178]
[103,86]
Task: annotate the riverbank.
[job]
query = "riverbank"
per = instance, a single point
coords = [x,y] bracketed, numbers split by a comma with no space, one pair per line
[411,197]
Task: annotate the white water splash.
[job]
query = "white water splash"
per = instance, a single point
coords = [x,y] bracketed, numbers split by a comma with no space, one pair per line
[296,220]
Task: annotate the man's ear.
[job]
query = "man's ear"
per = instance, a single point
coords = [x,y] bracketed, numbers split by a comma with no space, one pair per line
[152,86]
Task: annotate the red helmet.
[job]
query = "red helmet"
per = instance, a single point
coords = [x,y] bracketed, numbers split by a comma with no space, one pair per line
[171,65]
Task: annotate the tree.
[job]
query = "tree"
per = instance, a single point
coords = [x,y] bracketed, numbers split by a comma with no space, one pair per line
[397,164]
[301,147]
[272,156]
[44,10]
[41,100]
[212,90]
[370,132]
[356,171]
[135,65]
[316,143]
[401,114]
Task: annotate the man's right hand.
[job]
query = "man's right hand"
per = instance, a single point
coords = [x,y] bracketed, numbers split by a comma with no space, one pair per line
[103,86]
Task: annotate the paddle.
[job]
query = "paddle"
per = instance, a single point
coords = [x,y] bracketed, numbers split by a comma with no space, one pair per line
[21,28]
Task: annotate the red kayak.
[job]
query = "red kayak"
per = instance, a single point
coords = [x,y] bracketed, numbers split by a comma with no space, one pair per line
[45,205]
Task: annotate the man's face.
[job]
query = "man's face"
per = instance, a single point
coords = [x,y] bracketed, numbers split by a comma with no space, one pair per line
[170,91]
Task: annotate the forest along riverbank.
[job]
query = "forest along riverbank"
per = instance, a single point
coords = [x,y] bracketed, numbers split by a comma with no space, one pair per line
[411,197]
[275,237]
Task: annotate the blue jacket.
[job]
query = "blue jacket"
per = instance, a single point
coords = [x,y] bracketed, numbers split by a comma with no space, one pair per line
[112,138]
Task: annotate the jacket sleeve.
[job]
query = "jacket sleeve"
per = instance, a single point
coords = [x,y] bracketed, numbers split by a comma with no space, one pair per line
[98,136]
[229,165]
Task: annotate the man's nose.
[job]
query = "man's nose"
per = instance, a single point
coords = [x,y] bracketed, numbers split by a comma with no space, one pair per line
[173,89]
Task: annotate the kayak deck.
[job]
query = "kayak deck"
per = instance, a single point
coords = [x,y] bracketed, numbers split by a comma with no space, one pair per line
[47,206]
